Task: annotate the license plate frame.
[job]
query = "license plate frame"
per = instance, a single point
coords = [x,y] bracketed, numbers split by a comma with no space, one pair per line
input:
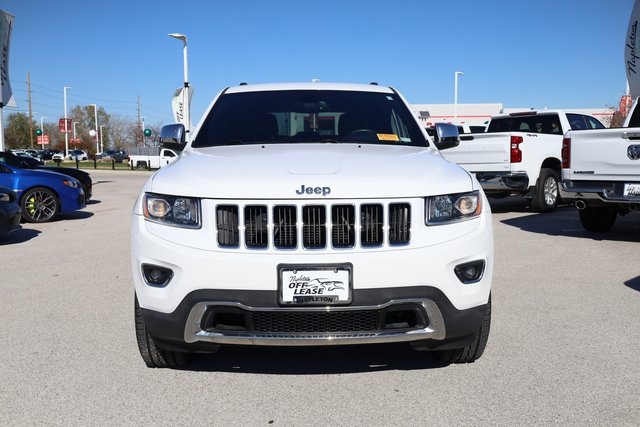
[315,285]
[631,189]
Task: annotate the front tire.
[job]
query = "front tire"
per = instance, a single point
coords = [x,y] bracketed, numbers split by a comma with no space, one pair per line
[546,191]
[153,356]
[473,351]
[39,204]
[598,219]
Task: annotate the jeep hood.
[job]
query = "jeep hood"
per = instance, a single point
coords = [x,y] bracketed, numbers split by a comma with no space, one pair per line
[288,171]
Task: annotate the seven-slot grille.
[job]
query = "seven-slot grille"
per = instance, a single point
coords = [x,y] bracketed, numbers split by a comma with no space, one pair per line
[313,226]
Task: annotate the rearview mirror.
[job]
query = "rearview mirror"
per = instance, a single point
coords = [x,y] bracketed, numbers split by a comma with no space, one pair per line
[446,136]
[173,134]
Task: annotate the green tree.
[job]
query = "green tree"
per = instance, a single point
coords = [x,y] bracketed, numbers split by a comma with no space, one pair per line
[16,131]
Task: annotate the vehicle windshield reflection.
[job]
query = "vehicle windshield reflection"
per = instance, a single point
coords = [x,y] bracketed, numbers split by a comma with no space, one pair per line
[305,116]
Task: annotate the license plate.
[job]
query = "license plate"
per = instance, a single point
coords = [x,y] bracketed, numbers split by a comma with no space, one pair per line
[632,190]
[317,285]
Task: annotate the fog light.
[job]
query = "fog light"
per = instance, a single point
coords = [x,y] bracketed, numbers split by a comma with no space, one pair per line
[156,276]
[470,272]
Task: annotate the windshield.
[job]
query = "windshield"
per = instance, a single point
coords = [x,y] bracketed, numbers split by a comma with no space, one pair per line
[296,116]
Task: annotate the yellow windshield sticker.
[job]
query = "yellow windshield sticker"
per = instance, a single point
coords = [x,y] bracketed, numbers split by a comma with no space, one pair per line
[388,137]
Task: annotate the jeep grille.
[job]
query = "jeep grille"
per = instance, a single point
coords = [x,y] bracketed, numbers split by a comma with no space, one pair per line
[320,226]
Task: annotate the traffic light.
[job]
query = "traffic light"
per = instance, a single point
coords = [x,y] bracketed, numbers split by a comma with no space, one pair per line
[147,132]
[38,132]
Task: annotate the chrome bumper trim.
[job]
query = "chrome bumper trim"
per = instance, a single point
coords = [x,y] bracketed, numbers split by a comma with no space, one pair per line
[194,333]
[603,191]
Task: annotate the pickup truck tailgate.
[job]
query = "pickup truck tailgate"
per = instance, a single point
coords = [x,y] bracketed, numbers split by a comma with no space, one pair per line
[612,161]
[482,152]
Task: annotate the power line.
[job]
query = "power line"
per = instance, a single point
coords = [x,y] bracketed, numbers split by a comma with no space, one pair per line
[118,106]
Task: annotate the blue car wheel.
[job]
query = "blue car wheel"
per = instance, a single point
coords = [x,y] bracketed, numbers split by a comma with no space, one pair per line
[39,204]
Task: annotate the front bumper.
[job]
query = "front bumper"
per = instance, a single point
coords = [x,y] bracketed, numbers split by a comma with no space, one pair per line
[72,199]
[208,318]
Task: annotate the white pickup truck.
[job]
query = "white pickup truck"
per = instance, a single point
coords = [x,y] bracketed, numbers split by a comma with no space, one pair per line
[520,154]
[310,214]
[152,157]
[601,172]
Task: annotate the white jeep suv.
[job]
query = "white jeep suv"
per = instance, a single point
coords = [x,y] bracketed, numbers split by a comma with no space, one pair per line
[311,214]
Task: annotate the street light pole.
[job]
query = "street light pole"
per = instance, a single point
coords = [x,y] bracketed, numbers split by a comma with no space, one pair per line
[185,92]
[66,131]
[144,138]
[102,138]
[95,111]
[455,95]
[75,141]
[42,128]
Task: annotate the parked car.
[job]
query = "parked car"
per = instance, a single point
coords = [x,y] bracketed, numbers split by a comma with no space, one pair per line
[601,172]
[117,155]
[78,155]
[31,152]
[48,154]
[31,163]
[42,194]
[153,157]
[9,211]
[31,159]
[59,156]
[356,229]
[520,154]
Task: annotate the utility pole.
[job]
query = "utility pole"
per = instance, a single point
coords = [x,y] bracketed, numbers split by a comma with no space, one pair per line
[30,111]
[66,131]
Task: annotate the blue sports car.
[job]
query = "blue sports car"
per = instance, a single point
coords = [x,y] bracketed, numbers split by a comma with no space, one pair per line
[42,195]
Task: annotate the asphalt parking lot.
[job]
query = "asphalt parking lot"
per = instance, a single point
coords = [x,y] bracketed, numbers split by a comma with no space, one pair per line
[564,346]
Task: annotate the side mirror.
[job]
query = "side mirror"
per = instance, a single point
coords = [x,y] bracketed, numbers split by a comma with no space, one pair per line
[446,136]
[173,134]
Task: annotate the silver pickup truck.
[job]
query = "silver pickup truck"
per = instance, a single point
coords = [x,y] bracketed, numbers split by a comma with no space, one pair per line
[601,172]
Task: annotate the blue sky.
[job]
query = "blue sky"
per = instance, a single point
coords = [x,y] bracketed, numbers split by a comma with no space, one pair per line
[556,54]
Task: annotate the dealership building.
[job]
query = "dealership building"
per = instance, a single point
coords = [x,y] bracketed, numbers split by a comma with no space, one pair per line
[479,114]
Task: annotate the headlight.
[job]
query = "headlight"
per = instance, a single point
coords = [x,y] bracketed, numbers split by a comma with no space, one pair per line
[73,183]
[453,207]
[172,210]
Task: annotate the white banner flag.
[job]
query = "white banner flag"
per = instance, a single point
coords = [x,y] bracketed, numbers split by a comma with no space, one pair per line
[6,21]
[177,104]
[632,52]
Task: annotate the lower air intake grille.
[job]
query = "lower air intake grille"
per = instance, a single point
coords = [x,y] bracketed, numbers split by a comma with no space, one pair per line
[318,322]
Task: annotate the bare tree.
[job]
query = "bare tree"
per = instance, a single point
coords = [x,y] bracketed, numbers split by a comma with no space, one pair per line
[121,133]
